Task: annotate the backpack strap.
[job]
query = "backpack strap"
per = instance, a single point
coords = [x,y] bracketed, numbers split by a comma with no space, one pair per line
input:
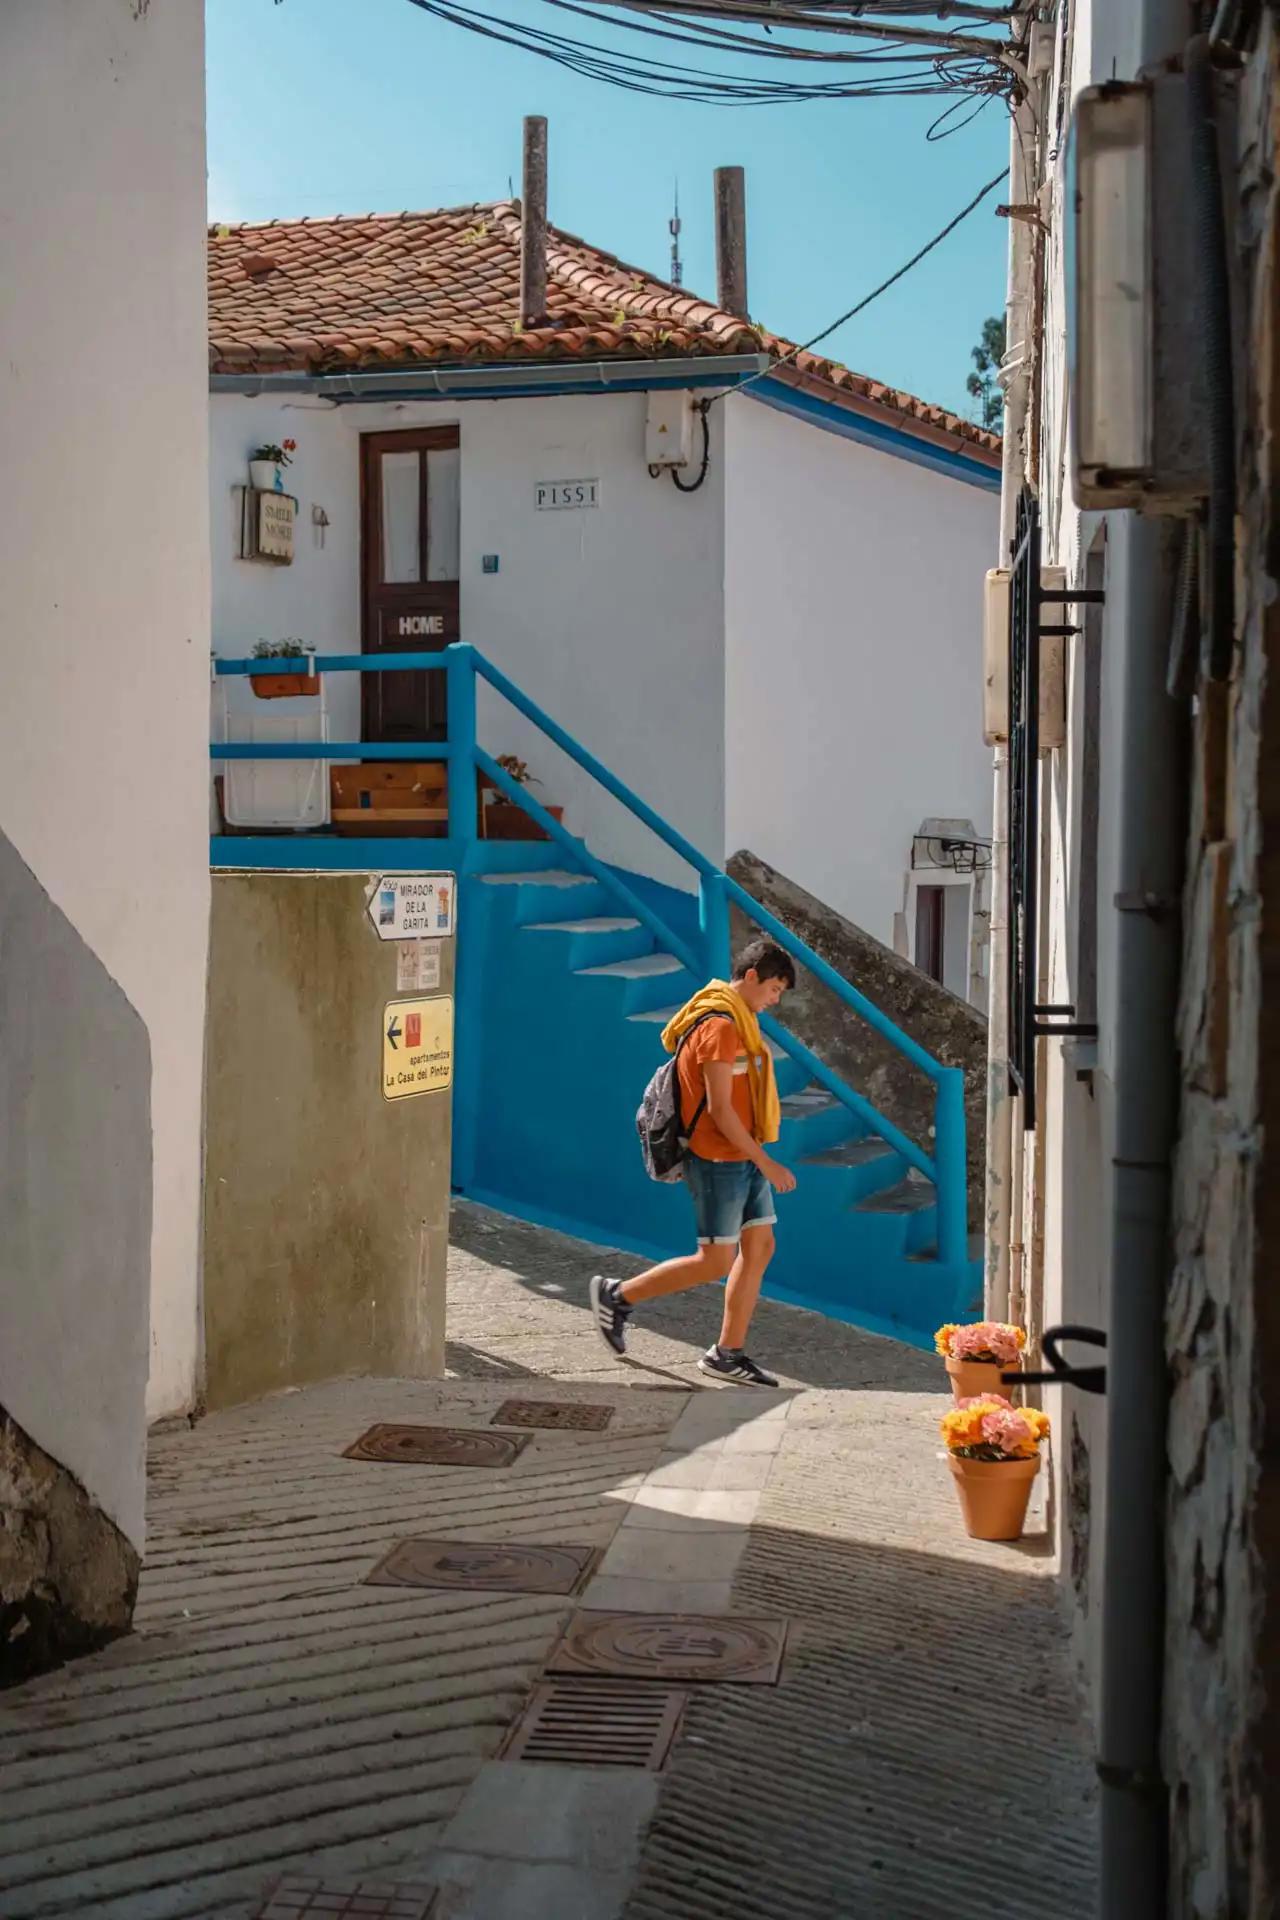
[701,1107]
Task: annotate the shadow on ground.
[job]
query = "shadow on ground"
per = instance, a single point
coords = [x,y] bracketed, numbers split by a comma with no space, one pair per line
[494,1258]
[277,1715]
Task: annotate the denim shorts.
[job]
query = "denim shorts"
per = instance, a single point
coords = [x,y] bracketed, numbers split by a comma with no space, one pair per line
[728,1195]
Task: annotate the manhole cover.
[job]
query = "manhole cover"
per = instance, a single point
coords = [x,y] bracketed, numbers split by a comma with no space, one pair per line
[438,1446]
[671,1646]
[493,1567]
[295,1896]
[598,1723]
[550,1413]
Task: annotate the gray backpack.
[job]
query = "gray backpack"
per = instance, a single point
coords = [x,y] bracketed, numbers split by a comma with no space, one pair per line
[664,1141]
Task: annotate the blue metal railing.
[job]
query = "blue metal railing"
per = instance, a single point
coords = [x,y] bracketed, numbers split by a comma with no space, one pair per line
[946,1167]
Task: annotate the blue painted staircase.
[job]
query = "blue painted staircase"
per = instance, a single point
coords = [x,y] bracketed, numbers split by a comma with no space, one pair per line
[566,976]
[574,997]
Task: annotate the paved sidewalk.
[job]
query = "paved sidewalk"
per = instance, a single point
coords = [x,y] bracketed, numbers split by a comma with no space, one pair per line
[274,1716]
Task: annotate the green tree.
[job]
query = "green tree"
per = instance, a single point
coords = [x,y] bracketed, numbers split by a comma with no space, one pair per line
[982,382]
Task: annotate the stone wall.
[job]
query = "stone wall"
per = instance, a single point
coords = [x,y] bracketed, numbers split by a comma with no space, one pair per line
[68,1577]
[1223,1329]
[945,1026]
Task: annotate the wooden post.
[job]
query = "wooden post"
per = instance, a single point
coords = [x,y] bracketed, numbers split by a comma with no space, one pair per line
[533,224]
[731,240]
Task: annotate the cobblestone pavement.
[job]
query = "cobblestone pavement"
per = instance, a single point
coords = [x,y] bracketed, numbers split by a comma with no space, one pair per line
[274,1716]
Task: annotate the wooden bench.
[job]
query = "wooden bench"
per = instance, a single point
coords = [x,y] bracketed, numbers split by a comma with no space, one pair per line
[397,797]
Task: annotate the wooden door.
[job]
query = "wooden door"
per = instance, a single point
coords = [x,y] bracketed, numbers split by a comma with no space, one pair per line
[930,908]
[409,541]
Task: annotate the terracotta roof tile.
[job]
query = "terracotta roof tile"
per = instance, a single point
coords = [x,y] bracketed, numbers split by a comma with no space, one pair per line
[382,290]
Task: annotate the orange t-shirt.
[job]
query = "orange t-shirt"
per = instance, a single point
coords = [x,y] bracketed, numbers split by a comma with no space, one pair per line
[716,1039]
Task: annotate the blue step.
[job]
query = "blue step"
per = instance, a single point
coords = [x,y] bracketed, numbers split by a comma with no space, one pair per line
[646,982]
[595,940]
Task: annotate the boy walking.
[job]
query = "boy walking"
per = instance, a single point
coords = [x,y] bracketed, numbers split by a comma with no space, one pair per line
[730,1114]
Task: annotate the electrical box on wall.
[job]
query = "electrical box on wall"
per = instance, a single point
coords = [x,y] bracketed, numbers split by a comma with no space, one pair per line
[668,429]
[1135,348]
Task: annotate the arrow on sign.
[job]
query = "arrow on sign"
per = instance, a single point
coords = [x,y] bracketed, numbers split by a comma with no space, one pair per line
[393,1033]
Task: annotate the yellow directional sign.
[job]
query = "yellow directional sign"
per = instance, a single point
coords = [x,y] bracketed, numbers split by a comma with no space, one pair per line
[417,1047]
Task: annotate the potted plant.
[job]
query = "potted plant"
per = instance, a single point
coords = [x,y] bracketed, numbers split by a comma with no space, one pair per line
[978,1354]
[993,1450]
[503,818]
[283,686]
[267,464]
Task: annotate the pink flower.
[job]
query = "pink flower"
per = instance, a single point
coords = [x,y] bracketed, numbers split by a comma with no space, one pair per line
[986,1340]
[1008,1430]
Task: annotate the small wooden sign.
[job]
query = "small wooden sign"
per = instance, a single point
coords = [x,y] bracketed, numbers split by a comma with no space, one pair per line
[562,496]
[277,513]
[416,626]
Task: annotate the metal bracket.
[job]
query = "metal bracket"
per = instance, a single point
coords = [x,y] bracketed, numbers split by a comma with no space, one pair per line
[1154,905]
[1029,597]
[1025,210]
[1060,1373]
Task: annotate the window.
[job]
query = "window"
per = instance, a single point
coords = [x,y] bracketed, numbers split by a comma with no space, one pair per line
[930,918]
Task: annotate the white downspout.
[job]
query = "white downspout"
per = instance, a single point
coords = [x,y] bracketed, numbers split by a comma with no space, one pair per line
[1002,1175]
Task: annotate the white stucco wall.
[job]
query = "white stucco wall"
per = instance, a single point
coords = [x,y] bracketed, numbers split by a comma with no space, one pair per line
[854,647]
[104,584]
[610,618]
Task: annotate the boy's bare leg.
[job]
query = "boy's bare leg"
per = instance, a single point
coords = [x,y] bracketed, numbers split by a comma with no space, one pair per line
[676,1276]
[743,1290]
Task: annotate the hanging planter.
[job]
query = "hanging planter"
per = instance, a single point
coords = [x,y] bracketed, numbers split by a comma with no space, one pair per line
[978,1355]
[504,819]
[993,1451]
[267,464]
[284,686]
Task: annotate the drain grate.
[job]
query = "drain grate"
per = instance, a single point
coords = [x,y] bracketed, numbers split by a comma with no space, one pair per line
[294,1897]
[483,1566]
[598,1723]
[438,1446]
[667,1646]
[552,1413]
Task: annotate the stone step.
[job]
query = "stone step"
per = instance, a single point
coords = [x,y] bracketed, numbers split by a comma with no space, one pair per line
[543,877]
[598,924]
[911,1195]
[809,1100]
[643,968]
[851,1153]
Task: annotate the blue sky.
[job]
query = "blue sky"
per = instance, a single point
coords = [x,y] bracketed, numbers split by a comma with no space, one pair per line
[347,106]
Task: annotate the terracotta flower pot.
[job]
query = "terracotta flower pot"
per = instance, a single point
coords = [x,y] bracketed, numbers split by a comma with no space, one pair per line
[284,686]
[972,1377]
[504,820]
[994,1495]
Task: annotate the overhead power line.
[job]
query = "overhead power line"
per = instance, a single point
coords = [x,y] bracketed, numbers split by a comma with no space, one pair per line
[884,286]
[910,61]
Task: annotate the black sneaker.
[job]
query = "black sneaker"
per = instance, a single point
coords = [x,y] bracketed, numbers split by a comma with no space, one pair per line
[611,1313]
[733,1369]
